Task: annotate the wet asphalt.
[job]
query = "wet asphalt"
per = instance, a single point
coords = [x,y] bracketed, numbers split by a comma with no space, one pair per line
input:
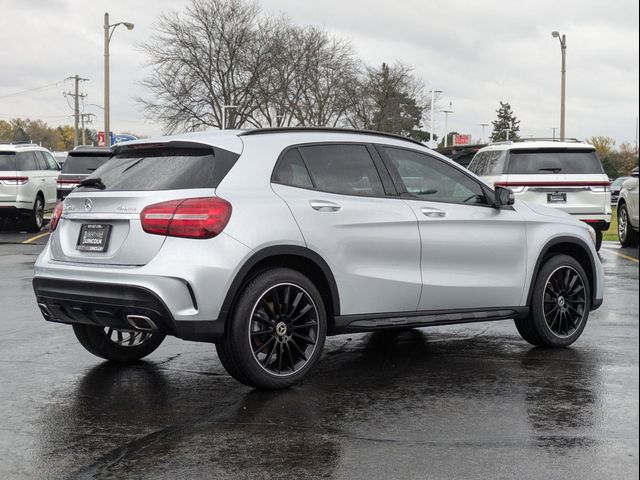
[458,402]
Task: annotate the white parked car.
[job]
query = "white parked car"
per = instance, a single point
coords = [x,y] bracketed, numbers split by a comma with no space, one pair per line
[266,241]
[28,182]
[567,176]
[628,211]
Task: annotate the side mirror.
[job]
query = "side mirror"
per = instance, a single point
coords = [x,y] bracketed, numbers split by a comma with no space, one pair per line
[504,197]
[634,172]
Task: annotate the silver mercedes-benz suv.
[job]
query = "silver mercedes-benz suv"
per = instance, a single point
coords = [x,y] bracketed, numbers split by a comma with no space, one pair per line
[266,241]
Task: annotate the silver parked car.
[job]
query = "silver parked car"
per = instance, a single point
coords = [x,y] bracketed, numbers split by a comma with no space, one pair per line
[266,241]
[628,211]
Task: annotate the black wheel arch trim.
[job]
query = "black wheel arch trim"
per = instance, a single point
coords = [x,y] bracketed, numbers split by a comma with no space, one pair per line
[242,276]
[566,240]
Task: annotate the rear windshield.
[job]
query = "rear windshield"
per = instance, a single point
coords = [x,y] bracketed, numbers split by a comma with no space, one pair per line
[84,164]
[7,162]
[549,161]
[165,169]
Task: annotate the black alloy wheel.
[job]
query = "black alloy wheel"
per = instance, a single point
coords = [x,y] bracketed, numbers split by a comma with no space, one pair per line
[564,301]
[283,331]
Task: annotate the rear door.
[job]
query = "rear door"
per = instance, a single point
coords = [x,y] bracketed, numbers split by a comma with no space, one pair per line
[110,211]
[28,167]
[473,255]
[49,173]
[370,241]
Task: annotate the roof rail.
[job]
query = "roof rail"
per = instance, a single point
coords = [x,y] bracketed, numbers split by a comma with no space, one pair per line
[502,142]
[550,139]
[21,144]
[259,131]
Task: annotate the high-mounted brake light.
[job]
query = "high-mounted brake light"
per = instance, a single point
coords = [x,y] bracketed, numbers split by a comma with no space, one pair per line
[55,217]
[187,218]
[14,180]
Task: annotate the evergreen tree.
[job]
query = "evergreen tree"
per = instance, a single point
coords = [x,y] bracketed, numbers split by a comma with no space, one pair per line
[506,121]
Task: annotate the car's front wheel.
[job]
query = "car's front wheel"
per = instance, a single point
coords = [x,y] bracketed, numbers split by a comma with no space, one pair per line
[276,332]
[116,345]
[560,304]
[626,234]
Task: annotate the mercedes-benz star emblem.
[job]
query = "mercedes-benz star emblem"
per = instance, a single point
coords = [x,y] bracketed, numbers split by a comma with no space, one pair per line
[88,204]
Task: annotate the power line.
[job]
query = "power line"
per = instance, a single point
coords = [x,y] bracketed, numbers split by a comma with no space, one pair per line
[31,90]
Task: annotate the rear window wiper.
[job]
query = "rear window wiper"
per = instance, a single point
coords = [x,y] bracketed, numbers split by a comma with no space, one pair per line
[550,169]
[93,182]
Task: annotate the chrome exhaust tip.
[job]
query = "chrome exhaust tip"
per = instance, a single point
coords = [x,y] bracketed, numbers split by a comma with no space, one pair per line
[45,310]
[140,322]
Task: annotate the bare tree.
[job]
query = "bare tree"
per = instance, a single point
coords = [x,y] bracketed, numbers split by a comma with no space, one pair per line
[208,57]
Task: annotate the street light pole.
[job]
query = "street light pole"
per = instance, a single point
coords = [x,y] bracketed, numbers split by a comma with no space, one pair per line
[108,32]
[224,115]
[446,124]
[563,48]
[483,125]
[433,102]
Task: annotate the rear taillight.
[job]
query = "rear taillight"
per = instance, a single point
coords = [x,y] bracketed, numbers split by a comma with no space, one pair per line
[55,217]
[188,218]
[599,188]
[67,183]
[14,180]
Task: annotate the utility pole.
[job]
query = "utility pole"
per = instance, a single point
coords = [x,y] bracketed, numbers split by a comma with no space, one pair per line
[76,104]
[563,49]
[446,123]
[432,113]
[88,117]
[554,133]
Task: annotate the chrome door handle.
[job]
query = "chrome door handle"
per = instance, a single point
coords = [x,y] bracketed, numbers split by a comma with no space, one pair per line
[433,212]
[324,206]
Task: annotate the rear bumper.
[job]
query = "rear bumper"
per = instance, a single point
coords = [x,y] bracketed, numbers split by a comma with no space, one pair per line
[109,305]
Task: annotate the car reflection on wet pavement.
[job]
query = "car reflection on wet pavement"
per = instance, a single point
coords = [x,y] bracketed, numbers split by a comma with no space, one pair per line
[467,401]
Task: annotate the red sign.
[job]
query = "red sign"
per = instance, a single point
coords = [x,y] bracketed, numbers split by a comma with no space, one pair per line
[462,139]
[101,142]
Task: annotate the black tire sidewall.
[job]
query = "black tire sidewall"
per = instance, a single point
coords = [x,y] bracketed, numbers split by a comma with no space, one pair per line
[95,341]
[539,324]
[245,367]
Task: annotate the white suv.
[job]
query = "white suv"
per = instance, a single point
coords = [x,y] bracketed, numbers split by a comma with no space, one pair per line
[567,176]
[28,175]
[265,241]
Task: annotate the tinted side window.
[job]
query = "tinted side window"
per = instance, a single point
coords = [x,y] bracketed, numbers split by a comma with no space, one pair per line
[83,164]
[42,163]
[26,161]
[292,171]
[428,178]
[51,162]
[489,163]
[345,169]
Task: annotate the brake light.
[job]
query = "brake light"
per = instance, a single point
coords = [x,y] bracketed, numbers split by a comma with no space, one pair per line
[55,217]
[599,188]
[14,180]
[187,218]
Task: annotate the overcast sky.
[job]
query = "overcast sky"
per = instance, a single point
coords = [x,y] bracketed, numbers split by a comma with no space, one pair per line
[477,52]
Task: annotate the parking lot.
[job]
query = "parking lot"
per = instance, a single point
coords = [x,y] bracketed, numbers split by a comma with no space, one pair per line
[469,401]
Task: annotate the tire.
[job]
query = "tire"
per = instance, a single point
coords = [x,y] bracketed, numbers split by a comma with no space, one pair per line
[104,343]
[599,236]
[626,234]
[35,219]
[276,331]
[560,304]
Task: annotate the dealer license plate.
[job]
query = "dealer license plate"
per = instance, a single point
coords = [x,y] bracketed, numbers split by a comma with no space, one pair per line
[94,237]
[556,198]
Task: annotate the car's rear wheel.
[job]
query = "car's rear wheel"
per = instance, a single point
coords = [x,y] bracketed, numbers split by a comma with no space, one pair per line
[117,345]
[35,218]
[626,234]
[276,332]
[560,304]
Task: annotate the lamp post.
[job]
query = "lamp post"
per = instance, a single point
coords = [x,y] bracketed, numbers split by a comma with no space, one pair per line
[108,32]
[446,124]
[483,125]
[563,48]
[433,102]
[224,115]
